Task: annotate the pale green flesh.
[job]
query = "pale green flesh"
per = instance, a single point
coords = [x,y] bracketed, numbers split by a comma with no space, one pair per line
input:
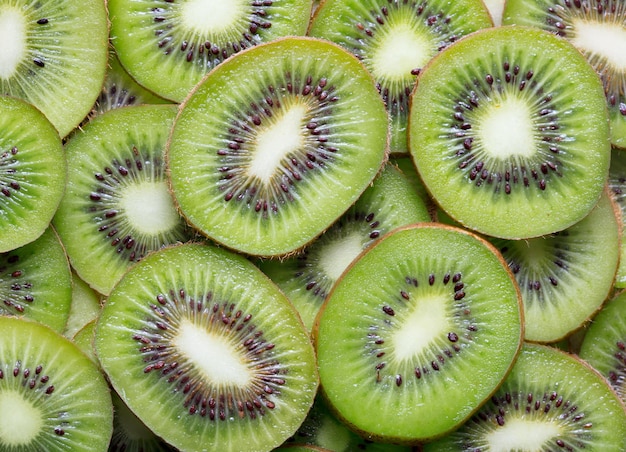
[617,185]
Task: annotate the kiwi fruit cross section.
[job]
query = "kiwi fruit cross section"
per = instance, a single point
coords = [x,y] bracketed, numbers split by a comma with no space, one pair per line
[312,226]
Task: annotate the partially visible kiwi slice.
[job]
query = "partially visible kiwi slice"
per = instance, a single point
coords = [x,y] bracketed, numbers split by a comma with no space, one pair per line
[54,55]
[418,333]
[169,46]
[52,397]
[596,28]
[617,185]
[207,351]
[308,277]
[117,207]
[499,132]
[293,131]
[551,401]
[33,172]
[84,308]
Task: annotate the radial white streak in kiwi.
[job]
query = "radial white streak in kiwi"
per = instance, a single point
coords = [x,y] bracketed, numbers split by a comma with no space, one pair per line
[505,129]
[283,135]
[20,420]
[421,326]
[149,207]
[212,16]
[522,434]
[12,41]
[602,38]
[213,355]
[337,255]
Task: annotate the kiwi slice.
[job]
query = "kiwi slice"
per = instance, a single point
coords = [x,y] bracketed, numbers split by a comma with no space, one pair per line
[169,46]
[617,185]
[35,282]
[52,397]
[54,55]
[33,172]
[551,401]
[84,340]
[308,277]
[84,307]
[117,207]
[596,28]
[293,131]
[206,350]
[395,39]
[424,314]
[499,132]
[566,275]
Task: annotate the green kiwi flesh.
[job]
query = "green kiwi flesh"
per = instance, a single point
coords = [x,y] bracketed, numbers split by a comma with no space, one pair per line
[275,165]
[117,207]
[308,277]
[54,55]
[84,307]
[424,314]
[499,132]
[33,172]
[395,39]
[617,185]
[169,46]
[550,401]
[596,28]
[207,351]
[52,397]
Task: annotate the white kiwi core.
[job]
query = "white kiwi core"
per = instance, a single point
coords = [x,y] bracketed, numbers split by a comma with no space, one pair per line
[607,40]
[336,256]
[213,355]
[522,434]
[12,41]
[506,129]
[149,207]
[400,51]
[212,16]
[20,420]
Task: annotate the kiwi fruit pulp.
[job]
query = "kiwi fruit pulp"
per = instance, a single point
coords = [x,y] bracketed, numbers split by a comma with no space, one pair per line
[52,397]
[499,132]
[551,400]
[396,361]
[276,164]
[207,351]
[54,55]
[168,46]
[617,186]
[395,39]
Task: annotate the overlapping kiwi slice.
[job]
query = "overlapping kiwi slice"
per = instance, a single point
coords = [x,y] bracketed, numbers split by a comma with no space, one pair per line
[418,333]
[169,46]
[207,351]
[596,28]
[117,207]
[54,55]
[276,144]
[33,172]
[308,277]
[500,132]
[52,397]
[395,39]
[617,185]
[551,401]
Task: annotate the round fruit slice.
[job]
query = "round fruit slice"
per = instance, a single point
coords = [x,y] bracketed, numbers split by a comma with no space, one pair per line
[33,172]
[551,401]
[617,185]
[52,397]
[423,315]
[499,132]
[207,351]
[54,55]
[292,132]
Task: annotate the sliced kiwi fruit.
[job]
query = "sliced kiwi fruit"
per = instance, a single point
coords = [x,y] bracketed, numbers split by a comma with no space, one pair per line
[33,172]
[169,46]
[496,10]
[499,132]
[566,275]
[207,351]
[423,315]
[84,307]
[293,131]
[84,340]
[395,39]
[54,55]
[308,277]
[117,207]
[551,401]
[407,167]
[596,28]
[52,397]
[617,185]
[35,282]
